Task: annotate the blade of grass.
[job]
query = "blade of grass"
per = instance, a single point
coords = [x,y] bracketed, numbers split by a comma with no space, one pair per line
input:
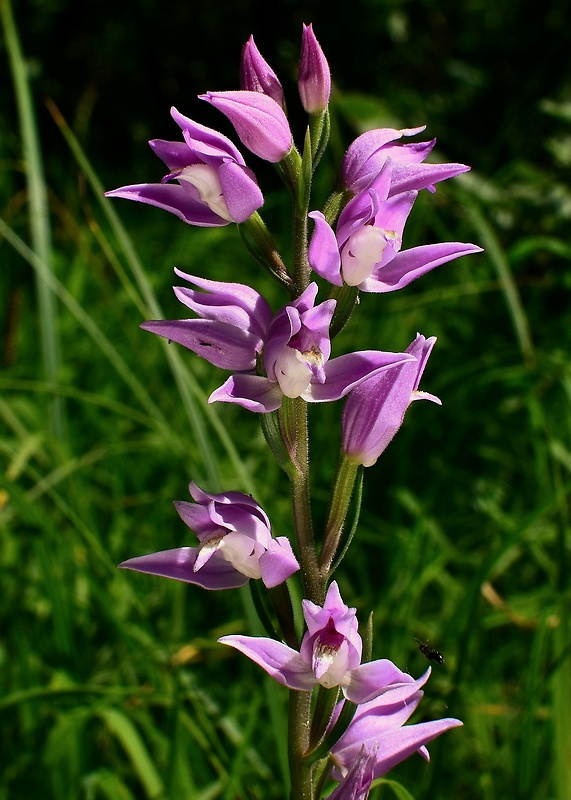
[491,244]
[85,321]
[79,395]
[561,709]
[127,734]
[186,384]
[40,233]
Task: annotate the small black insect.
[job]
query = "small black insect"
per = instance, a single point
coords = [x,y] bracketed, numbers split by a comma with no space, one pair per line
[429,653]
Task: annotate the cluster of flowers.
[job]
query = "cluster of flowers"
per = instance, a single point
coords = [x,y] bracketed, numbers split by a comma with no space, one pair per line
[355,246]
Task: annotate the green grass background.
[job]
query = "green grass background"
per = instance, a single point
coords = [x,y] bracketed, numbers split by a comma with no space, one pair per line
[111,683]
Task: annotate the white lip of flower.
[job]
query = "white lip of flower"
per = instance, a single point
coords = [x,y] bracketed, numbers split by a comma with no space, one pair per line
[292,372]
[362,252]
[221,541]
[205,181]
[247,564]
[324,658]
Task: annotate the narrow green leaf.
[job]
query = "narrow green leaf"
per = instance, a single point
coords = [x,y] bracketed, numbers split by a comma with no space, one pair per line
[128,736]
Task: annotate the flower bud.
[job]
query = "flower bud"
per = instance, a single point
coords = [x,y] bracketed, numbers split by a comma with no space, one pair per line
[256,75]
[258,120]
[314,80]
[375,409]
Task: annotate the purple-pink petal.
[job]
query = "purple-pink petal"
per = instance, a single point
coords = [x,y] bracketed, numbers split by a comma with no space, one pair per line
[238,517]
[346,372]
[178,564]
[374,678]
[366,156]
[284,326]
[314,331]
[222,345]
[381,677]
[220,308]
[183,201]
[209,143]
[314,77]
[256,75]
[247,297]
[409,153]
[233,303]
[374,410]
[323,253]
[380,724]
[194,515]
[406,177]
[393,214]
[278,563]
[283,663]
[396,745]
[357,782]
[253,392]
[241,192]
[362,209]
[408,265]
[258,120]
[176,155]
[316,617]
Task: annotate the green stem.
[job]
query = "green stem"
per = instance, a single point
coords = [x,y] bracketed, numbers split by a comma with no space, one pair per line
[294,427]
[299,714]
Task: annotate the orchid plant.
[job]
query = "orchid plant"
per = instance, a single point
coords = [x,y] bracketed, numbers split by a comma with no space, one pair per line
[348,713]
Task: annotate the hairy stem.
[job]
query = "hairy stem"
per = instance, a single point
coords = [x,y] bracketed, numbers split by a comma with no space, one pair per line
[294,428]
[299,714]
